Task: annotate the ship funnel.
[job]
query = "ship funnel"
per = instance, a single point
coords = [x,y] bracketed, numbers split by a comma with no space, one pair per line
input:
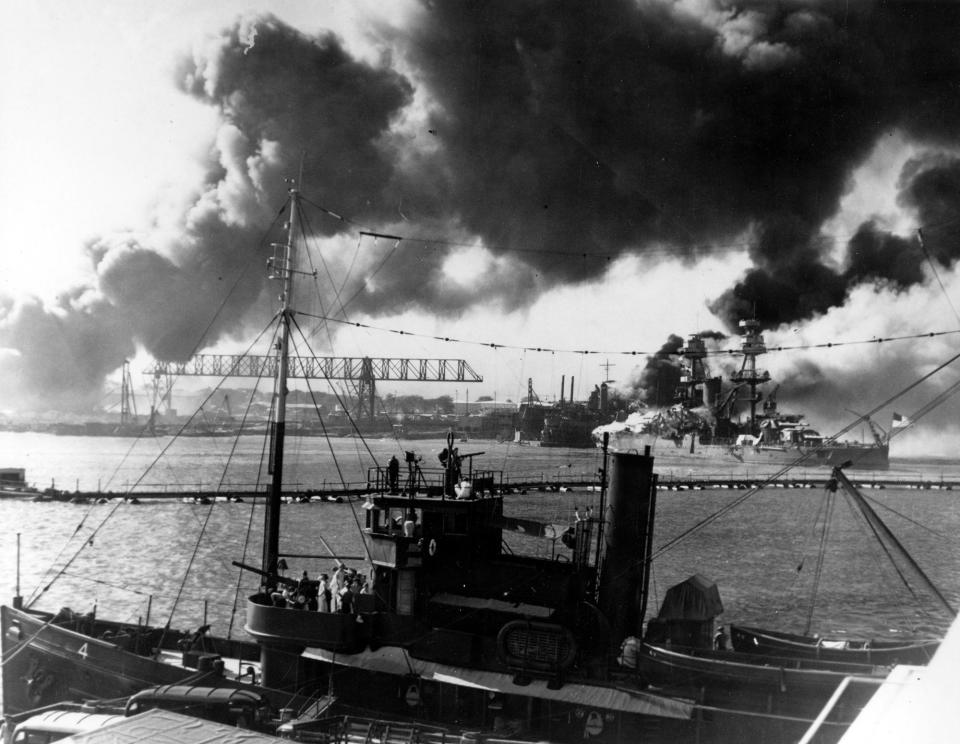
[563,386]
[711,393]
[603,398]
[627,535]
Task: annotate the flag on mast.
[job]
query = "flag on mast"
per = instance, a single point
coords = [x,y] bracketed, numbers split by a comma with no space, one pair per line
[900,422]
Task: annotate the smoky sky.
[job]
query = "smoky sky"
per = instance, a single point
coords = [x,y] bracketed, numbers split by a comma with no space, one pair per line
[561,135]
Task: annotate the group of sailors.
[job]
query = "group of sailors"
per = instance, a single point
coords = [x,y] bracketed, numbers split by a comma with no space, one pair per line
[334,592]
[450,460]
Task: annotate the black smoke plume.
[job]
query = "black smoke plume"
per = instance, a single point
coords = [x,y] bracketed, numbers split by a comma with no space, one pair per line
[792,281]
[560,134]
[656,383]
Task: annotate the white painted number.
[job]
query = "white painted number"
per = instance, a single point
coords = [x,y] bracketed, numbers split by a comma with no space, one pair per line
[82,651]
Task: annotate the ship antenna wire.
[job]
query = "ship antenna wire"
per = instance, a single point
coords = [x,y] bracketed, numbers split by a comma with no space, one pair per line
[936,274]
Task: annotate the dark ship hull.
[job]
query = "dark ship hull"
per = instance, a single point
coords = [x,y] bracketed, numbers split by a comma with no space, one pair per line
[684,452]
[559,431]
[58,664]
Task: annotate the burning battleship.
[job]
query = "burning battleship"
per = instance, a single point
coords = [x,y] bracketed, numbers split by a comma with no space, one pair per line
[702,425]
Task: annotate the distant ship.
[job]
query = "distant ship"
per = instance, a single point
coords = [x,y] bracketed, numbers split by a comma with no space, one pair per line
[570,425]
[700,426]
[13,484]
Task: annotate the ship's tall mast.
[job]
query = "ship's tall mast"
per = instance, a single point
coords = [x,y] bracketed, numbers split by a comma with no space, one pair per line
[282,265]
[752,347]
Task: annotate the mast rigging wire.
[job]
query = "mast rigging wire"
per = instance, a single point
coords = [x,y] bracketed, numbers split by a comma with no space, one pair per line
[625,352]
[821,555]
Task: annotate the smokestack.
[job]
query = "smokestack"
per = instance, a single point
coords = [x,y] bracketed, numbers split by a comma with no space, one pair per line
[571,388]
[711,392]
[603,398]
[563,386]
[627,535]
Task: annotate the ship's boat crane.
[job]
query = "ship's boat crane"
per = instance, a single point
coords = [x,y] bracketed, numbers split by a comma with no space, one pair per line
[879,435]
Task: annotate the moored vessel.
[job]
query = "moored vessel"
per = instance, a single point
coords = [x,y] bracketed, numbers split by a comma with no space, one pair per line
[869,651]
[702,427]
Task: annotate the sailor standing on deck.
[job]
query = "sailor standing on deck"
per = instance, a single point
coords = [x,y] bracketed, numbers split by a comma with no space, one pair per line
[324,593]
[720,639]
[346,600]
[393,474]
[338,584]
[410,525]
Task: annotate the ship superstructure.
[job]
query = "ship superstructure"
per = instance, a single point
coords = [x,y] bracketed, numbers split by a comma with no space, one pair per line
[706,422]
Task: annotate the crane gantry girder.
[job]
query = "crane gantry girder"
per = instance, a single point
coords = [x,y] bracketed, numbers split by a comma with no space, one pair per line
[322,368]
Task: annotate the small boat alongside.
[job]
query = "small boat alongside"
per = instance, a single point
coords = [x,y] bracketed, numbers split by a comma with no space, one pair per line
[875,652]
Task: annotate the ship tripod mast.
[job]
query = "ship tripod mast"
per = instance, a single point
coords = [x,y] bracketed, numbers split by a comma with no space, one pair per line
[753,346]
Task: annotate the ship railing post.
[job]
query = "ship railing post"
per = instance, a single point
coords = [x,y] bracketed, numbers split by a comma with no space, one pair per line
[17,598]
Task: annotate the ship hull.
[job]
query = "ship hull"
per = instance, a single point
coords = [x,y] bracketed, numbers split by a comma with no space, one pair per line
[44,663]
[730,679]
[685,451]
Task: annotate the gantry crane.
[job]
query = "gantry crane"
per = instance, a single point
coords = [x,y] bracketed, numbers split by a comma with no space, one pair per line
[363,371]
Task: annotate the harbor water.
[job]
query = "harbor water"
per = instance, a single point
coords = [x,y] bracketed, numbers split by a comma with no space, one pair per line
[131,561]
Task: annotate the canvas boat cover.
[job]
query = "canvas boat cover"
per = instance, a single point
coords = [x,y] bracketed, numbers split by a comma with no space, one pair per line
[393,660]
[166,727]
[697,598]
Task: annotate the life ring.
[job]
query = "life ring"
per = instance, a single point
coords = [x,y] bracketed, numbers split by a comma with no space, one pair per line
[593,725]
[432,547]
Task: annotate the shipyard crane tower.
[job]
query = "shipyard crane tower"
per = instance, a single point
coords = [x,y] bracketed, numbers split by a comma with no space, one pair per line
[364,372]
[752,347]
[128,404]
